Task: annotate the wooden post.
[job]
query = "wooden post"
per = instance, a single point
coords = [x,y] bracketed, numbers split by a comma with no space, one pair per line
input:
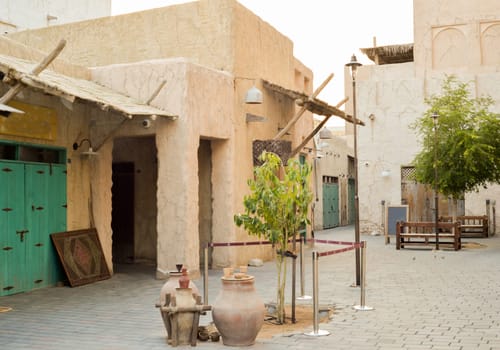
[156,92]
[315,131]
[302,109]
[35,71]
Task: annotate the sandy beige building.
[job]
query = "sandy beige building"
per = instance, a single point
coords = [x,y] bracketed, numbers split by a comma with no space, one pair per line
[451,37]
[163,178]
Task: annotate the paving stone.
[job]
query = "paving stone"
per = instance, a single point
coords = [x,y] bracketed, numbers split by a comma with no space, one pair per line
[423,300]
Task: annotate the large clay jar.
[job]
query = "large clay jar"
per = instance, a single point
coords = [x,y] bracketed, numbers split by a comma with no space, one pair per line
[170,287]
[238,311]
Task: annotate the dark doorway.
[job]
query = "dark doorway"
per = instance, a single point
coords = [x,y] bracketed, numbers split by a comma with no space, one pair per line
[122,213]
[205,199]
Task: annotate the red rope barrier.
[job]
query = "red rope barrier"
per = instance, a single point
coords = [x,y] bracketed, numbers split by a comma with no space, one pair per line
[354,244]
[238,244]
[336,251]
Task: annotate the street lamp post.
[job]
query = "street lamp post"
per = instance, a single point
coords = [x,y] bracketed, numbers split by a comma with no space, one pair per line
[353,65]
[436,194]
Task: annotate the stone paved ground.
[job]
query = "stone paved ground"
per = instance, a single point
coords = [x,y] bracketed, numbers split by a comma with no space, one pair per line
[423,299]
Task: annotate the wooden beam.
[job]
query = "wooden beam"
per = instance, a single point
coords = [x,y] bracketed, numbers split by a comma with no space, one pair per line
[13,91]
[156,92]
[302,109]
[316,130]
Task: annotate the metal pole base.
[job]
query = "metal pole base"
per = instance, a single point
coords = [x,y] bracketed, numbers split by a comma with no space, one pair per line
[354,285]
[319,333]
[362,308]
[304,297]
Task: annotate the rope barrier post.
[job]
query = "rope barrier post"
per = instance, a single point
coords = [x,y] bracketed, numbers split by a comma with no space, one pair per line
[362,306]
[302,272]
[205,276]
[316,331]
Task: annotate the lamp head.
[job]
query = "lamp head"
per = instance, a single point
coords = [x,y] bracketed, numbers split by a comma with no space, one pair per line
[353,65]
[253,96]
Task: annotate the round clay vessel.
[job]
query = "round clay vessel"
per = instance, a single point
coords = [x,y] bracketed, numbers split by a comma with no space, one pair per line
[170,287]
[172,283]
[238,311]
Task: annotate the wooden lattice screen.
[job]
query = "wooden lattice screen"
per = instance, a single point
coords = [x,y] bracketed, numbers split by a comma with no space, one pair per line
[281,147]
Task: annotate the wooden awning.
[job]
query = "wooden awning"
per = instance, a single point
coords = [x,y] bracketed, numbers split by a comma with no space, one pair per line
[313,105]
[390,54]
[15,70]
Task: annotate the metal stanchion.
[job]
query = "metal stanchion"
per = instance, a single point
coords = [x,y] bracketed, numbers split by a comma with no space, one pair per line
[362,306]
[316,331]
[205,277]
[302,272]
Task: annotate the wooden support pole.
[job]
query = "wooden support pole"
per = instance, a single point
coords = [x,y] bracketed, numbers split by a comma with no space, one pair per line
[13,91]
[302,109]
[316,130]
[156,92]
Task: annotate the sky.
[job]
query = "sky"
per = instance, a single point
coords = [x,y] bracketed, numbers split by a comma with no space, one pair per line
[325,33]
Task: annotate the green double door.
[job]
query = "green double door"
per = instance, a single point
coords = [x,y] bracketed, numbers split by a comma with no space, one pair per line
[32,206]
[330,205]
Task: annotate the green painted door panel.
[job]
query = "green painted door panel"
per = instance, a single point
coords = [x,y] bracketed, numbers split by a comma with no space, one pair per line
[37,216]
[12,229]
[330,205]
[351,204]
[335,204]
[326,207]
[32,206]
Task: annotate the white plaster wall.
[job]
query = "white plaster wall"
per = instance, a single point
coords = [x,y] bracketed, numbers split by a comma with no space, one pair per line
[16,15]
[452,35]
[449,39]
[475,204]
[394,98]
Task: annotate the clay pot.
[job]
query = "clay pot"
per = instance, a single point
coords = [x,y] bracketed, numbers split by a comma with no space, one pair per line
[238,311]
[184,279]
[172,283]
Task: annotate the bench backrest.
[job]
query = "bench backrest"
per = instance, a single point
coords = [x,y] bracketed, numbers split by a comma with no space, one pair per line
[426,227]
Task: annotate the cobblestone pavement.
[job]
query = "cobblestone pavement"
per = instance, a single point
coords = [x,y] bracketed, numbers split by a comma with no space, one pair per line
[423,299]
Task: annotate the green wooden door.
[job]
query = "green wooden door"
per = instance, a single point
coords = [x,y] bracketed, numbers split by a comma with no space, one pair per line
[35,198]
[351,206]
[12,229]
[330,205]
[37,216]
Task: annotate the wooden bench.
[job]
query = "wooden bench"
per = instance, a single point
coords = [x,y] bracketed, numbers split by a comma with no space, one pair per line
[423,233]
[471,226]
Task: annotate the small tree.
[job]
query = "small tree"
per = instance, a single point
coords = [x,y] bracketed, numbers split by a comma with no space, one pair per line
[276,208]
[466,141]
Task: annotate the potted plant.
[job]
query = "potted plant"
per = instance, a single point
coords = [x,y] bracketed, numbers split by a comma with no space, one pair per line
[276,208]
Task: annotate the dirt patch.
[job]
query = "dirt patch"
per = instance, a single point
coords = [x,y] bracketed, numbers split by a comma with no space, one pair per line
[5,309]
[472,245]
[304,322]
